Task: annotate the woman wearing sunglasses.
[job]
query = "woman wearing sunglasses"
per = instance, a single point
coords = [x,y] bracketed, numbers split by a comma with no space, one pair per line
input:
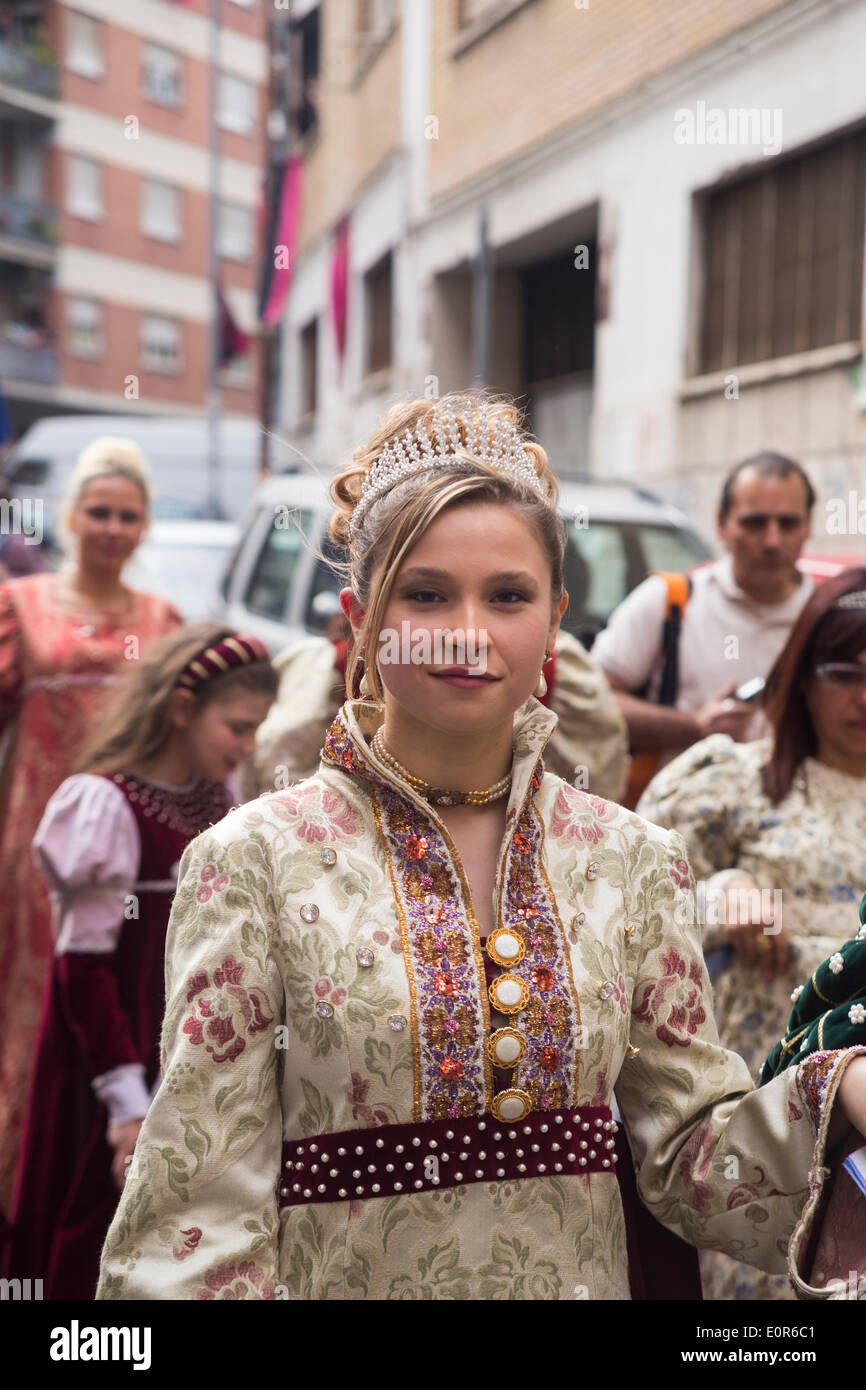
[776,832]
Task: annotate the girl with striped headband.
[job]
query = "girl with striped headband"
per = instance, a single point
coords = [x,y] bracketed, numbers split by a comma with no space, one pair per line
[109,845]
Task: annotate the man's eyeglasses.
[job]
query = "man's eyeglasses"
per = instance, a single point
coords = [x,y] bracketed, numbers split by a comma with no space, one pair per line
[759,521]
[844,675]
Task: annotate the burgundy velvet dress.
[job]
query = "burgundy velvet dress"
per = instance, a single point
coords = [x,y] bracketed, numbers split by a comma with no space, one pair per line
[109,848]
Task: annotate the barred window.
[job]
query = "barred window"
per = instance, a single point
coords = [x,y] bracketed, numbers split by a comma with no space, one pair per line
[160,345]
[236,104]
[163,75]
[161,210]
[235,231]
[84,195]
[783,257]
[84,46]
[84,328]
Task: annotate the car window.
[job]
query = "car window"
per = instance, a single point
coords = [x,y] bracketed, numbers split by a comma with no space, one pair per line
[596,574]
[666,548]
[268,587]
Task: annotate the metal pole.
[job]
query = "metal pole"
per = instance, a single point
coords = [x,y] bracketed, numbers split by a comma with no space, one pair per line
[214,393]
[481,307]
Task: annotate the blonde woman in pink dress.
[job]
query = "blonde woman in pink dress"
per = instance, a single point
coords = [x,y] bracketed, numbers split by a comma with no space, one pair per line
[65,640]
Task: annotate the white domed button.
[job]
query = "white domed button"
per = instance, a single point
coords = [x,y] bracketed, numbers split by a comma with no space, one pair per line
[511,1105]
[507,1049]
[505,947]
[509,994]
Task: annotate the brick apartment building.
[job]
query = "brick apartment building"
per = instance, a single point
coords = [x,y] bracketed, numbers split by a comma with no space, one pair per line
[645,220]
[105,180]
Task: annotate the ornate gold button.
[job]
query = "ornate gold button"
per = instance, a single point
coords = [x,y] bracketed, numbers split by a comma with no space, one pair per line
[509,994]
[505,947]
[511,1105]
[506,1047]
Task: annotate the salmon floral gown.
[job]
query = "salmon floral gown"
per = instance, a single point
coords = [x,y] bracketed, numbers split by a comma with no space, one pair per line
[57,670]
[362,1098]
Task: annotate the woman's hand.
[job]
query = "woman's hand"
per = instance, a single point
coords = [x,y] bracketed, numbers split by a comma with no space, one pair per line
[852,1097]
[746,919]
[122,1139]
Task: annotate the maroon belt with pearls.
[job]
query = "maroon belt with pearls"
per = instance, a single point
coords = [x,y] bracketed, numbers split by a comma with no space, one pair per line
[356,1164]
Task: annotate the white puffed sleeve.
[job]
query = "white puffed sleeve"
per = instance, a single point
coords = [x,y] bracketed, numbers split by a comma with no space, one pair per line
[88,848]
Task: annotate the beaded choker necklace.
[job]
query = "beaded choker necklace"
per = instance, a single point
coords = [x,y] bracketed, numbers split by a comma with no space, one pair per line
[441,796]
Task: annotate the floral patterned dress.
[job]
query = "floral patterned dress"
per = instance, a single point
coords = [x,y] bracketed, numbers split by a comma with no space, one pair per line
[57,670]
[335,1120]
[811,848]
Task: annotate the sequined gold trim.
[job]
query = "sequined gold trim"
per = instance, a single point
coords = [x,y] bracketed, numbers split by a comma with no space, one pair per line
[407,959]
[477,953]
[565,953]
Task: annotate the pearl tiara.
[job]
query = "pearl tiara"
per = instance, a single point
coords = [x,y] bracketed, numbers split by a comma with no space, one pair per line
[417,451]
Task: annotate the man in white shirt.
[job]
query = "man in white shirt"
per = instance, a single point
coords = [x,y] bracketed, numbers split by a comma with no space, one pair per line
[736,621]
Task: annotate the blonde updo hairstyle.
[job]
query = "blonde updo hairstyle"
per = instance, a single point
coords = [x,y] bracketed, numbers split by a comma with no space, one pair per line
[109,456]
[397,520]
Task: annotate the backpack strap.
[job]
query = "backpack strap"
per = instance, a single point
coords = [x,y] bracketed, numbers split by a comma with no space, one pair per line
[679,588]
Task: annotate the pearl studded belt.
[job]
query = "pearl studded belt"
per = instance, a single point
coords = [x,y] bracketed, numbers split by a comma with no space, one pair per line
[390,1159]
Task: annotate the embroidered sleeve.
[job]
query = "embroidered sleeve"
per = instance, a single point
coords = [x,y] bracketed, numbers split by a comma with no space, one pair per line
[723,1165]
[591,737]
[198,1216]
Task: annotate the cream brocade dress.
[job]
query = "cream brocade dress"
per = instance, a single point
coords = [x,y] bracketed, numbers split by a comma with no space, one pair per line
[324,974]
[812,847]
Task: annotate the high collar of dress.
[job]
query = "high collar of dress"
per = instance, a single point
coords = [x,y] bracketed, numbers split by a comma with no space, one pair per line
[347,745]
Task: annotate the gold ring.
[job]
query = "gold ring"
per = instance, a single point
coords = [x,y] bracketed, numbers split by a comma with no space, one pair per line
[761,943]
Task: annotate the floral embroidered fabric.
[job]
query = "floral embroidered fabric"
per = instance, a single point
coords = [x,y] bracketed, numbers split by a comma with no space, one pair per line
[308,995]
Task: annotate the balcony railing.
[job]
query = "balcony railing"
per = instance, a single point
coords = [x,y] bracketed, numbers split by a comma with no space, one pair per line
[28,219]
[20,362]
[20,69]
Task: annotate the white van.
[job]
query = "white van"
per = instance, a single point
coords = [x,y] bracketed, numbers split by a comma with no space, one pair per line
[176,447]
[277,588]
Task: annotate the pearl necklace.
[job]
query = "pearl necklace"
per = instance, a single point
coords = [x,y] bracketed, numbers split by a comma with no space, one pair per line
[440,796]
